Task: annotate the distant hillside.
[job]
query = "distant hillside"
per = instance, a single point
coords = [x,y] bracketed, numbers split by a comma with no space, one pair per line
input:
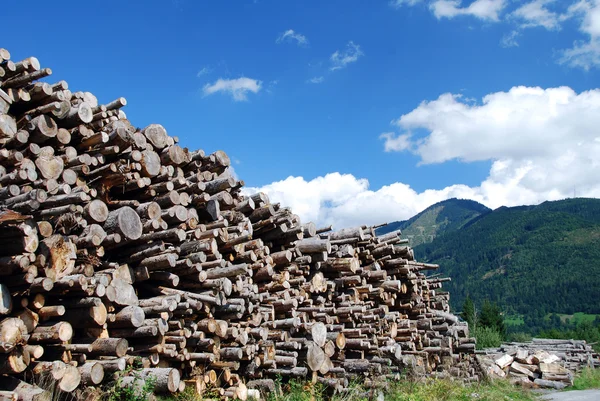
[530,259]
[443,217]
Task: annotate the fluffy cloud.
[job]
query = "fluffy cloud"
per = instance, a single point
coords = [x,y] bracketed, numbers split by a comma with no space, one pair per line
[535,14]
[343,200]
[290,35]
[396,143]
[482,9]
[237,88]
[341,59]
[543,144]
[520,124]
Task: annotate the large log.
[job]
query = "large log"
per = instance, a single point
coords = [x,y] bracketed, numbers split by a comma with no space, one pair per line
[124,221]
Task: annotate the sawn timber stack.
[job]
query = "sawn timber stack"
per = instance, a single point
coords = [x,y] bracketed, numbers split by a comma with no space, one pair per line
[120,246]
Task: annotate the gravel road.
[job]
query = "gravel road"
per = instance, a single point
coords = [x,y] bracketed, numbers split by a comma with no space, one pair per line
[583,395]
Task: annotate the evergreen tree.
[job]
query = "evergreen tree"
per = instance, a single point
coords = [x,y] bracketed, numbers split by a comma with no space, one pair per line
[491,316]
[468,313]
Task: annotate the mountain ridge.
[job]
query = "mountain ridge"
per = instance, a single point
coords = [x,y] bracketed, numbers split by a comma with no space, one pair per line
[543,258]
[445,216]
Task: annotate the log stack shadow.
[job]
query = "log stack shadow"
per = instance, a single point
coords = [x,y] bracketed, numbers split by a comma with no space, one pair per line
[118,245]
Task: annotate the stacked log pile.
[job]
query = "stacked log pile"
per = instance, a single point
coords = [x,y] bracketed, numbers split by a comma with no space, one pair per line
[545,363]
[120,246]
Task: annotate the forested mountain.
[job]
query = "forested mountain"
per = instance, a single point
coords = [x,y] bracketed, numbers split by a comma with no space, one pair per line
[530,259]
[440,218]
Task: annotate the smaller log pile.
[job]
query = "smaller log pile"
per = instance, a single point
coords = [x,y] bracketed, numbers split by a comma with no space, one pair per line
[545,363]
[120,245]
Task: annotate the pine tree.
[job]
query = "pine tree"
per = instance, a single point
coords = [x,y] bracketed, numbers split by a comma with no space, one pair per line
[468,313]
[491,316]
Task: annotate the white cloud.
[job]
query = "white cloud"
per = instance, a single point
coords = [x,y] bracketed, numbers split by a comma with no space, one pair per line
[341,59]
[543,144]
[522,123]
[344,200]
[395,143]
[590,11]
[535,13]
[316,80]
[290,35]
[400,3]
[237,88]
[510,39]
[488,10]
[204,71]
[585,54]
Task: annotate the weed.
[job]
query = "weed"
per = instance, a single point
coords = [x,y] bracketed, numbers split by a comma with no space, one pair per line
[134,389]
[189,394]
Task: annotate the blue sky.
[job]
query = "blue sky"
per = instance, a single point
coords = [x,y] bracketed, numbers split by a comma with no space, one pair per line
[348,111]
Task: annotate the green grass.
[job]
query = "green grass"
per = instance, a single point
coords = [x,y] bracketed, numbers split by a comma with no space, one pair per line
[589,378]
[514,320]
[578,317]
[445,390]
[407,390]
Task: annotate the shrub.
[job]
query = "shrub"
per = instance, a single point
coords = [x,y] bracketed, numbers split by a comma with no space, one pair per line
[487,337]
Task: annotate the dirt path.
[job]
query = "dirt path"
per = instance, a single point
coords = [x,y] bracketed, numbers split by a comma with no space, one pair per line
[582,395]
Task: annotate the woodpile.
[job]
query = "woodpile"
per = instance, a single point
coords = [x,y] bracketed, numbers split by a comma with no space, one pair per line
[122,247]
[542,363]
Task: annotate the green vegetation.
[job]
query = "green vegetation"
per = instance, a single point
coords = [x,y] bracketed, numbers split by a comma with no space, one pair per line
[487,326]
[514,320]
[531,260]
[588,331]
[445,390]
[486,337]
[410,390]
[469,314]
[491,318]
[447,216]
[539,264]
[189,394]
[589,378]
[577,318]
[140,390]
[519,337]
